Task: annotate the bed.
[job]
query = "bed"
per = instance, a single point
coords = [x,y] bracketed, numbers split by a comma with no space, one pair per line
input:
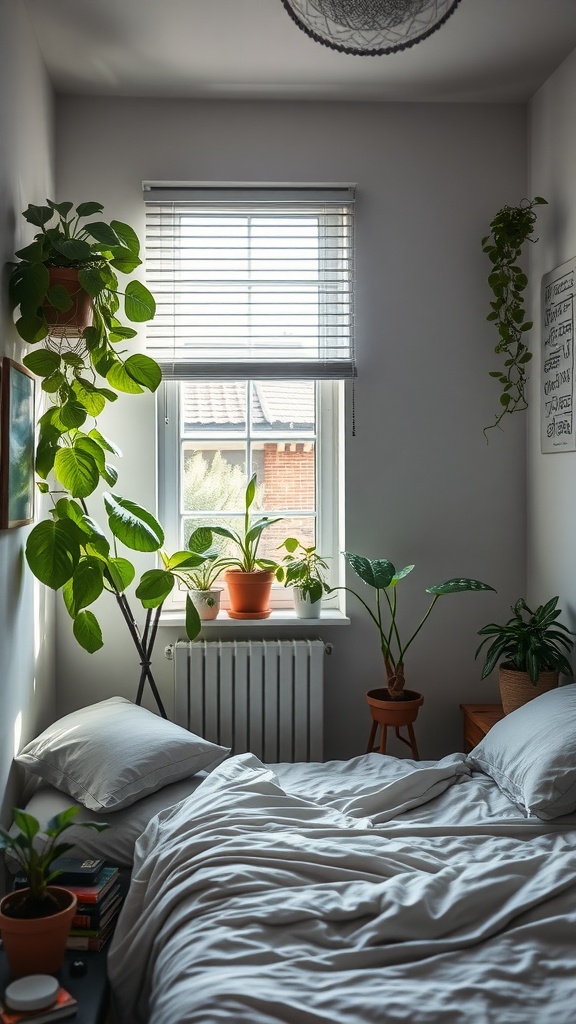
[376,889]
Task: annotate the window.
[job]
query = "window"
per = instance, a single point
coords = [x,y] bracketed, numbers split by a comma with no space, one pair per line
[254,335]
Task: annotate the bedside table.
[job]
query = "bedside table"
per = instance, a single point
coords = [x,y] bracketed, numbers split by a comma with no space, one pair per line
[90,989]
[478,720]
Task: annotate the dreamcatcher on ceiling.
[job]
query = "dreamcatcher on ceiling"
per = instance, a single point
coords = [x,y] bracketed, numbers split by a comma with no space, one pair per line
[369,27]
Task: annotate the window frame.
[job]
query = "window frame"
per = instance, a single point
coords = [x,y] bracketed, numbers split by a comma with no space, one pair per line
[329,463]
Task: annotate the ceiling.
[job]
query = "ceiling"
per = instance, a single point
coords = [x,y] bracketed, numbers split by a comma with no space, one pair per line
[488,51]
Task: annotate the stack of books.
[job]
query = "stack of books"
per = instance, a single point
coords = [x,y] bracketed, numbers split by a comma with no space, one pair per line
[99,894]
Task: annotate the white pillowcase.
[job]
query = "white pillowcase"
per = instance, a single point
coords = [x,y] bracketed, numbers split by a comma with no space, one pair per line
[531,754]
[116,843]
[111,754]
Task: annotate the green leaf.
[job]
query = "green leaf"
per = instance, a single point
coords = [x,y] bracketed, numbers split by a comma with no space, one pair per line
[118,378]
[377,573]
[144,371]
[62,208]
[92,280]
[38,215]
[400,575]
[128,236]
[102,232]
[133,525]
[53,551]
[77,471]
[124,260]
[85,586]
[200,540]
[73,249]
[122,572]
[42,362]
[193,623]
[72,414]
[458,586]
[86,444]
[88,209]
[139,302]
[31,329]
[104,442]
[154,587]
[87,631]
[89,397]
[31,287]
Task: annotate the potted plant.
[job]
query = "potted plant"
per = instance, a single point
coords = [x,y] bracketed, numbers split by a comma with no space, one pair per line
[392,704]
[248,577]
[65,280]
[533,645]
[511,228]
[70,550]
[35,921]
[200,582]
[303,569]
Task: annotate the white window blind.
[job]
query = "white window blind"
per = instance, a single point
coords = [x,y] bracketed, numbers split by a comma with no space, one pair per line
[251,281]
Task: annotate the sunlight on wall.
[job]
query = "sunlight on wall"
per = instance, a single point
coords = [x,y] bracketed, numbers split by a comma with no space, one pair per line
[38,619]
[17,732]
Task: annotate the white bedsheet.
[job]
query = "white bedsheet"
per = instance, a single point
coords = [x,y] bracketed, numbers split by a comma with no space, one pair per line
[357,892]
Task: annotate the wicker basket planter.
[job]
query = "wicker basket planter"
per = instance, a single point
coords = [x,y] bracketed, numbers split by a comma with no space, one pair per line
[516,688]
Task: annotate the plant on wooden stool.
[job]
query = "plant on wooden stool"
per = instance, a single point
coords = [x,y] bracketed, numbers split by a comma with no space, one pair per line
[381,576]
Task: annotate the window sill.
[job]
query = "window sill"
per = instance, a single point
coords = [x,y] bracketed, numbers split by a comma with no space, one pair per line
[280,617]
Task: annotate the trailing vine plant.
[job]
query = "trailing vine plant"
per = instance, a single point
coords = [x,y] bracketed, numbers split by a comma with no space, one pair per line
[78,548]
[511,228]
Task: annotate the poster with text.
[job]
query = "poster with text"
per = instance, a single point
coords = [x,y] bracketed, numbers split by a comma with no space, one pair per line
[557,373]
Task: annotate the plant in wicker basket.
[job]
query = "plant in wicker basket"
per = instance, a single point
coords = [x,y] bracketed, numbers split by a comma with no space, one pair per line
[532,645]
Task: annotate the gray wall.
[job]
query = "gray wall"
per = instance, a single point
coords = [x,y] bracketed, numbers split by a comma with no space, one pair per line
[552,477]
[422,484]
[26,175]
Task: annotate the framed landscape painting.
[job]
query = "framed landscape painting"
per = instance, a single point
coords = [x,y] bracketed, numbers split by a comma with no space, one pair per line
[16,446]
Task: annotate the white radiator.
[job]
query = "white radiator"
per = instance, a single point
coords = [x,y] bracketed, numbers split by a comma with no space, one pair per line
[265,696]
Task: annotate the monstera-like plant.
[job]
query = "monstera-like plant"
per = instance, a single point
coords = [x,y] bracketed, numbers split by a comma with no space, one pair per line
[77,548]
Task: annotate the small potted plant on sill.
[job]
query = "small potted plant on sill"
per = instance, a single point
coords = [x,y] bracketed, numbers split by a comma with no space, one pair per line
[248,577]
[35,921]
[393,704]
[303,569]
[200,582]
[531,643]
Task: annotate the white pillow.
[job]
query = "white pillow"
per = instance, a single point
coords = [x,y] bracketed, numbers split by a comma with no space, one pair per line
[111,754]
[116,843]
[531,754]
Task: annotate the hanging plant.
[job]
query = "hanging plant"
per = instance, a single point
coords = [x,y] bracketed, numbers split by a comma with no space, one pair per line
[511,228]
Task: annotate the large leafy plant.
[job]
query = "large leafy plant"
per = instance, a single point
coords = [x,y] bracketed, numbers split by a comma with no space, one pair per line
[531,641]
[37,900]
[511,228]
[75,549]
[382,578]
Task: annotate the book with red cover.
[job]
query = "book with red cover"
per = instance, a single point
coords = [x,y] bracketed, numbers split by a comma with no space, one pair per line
[95,915]
[93,943]
[83,925]
[64,1006]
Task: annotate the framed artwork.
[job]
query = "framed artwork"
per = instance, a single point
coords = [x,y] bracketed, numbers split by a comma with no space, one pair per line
[16,446]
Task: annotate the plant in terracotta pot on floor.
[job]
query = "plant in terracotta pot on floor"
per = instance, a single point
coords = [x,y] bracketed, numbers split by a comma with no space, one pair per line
[533,646]
[83,368]
[303,569]
[35,921]
[248,576]
[393,704]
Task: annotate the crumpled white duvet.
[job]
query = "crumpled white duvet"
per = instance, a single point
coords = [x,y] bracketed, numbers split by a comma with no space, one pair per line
[251,902]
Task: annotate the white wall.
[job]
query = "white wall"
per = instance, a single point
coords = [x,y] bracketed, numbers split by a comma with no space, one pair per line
[422,484]
[26,175]
[552,477]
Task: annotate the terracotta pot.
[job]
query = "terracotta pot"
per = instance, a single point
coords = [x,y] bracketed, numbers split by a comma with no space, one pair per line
[36,945]
[386,711]
[393,714]
[206,603]
[249,593]
[80,313]
[516,688]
